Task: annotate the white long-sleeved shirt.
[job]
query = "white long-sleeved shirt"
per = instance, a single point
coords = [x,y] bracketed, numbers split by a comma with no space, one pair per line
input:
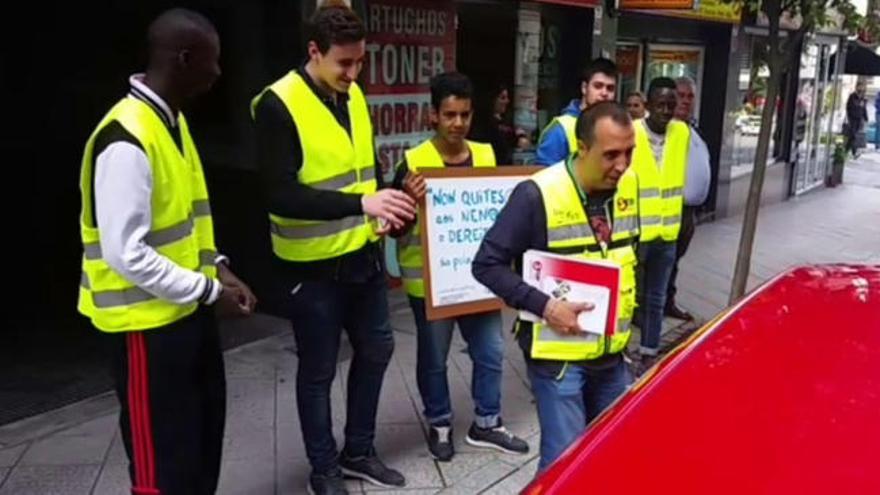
[123,191]
[698,176]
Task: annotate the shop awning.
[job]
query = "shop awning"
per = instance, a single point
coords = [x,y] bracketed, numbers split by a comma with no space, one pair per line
[575,3]
[860,60]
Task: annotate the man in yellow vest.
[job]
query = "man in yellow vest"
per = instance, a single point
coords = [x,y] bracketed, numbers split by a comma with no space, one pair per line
[150,270]
[585,206]
[326,213]
[451,114]
[558,141]
[660,162]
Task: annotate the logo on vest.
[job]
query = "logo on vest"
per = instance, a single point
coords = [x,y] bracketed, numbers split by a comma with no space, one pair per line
[624,204]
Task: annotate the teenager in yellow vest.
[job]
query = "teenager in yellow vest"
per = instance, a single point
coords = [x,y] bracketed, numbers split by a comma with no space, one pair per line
[451,115]
[585,206]
[557,141]
[150,270]
[327,211]
[660,162]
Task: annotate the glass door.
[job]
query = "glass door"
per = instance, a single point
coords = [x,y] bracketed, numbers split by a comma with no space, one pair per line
[676,61]
[814,115]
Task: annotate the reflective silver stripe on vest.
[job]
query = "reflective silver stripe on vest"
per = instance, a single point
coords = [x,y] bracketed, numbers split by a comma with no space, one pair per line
[411,239]
[546,334]
[202,208]
[649,192]
[368,174]
[171,234]
[623,325]
[338,182]
[207,257]
[154,239]
[124,297]
[411,273]
[92,251]
[345,179]
[568,232]
[672,192]
[317,230]
[114,298]
[672,220]
[652,220]
[624,224]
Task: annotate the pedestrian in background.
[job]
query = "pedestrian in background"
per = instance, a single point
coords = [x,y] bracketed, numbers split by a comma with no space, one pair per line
[856,117]
[635,105]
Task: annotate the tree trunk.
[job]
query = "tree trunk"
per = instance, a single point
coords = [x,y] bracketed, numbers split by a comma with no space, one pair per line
[750,220]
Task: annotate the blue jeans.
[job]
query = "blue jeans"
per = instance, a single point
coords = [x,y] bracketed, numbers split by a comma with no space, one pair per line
[656,260]
[320,310]
[482,332]
[569,400]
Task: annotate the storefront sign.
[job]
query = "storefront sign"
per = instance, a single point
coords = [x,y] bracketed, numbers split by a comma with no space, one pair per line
[408,42]
[657,4]
[715,10]
[575,3]
[704,10]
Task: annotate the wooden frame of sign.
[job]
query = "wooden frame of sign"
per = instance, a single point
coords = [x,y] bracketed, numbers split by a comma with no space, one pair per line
[434,312]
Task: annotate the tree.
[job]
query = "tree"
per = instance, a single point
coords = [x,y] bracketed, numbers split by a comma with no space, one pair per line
[781,53]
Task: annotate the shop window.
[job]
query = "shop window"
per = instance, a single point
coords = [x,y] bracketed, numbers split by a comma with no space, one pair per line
[753,81]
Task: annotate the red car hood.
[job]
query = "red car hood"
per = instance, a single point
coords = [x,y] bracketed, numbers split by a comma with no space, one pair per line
[778,395]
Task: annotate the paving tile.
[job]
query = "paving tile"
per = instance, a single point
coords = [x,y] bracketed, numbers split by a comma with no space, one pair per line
[11,455]
[113,480]
[254,476]
[60,450]
[481,479]
[50,480]
[515,481]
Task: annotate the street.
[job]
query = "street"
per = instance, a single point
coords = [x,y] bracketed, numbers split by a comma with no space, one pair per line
[77,450]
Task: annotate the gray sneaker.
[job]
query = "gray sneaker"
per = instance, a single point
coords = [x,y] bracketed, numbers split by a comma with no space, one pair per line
[440,443]
[498,438]
[327,484]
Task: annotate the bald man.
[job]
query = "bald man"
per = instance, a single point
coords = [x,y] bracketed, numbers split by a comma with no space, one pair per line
[151,273]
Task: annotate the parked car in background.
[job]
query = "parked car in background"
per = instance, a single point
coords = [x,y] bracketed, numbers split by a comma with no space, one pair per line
[780,394]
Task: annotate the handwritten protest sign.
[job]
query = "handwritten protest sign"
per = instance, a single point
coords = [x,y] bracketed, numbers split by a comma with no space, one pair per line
[460,207]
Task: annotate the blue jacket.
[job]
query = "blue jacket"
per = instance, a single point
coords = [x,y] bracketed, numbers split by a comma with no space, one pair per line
[553,147]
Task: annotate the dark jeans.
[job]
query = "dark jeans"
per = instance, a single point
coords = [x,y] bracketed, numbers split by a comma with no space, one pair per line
[482,332]
[656,259]
[171,385]
[688,227]
[319,311]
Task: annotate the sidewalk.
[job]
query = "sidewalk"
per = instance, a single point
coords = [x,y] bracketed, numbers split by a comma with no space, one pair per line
[77,450]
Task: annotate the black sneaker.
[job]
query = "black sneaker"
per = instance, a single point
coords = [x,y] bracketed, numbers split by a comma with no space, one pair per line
[497,438]
[327,484]
[440,443]
[372,470]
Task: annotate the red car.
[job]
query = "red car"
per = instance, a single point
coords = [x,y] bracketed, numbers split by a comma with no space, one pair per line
[779,394]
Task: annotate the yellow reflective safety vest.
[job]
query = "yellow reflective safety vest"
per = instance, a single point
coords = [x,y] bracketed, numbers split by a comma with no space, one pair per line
[569,125]
[569,233]
[409,246]
[181,228]
[333,161]
[661,186]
